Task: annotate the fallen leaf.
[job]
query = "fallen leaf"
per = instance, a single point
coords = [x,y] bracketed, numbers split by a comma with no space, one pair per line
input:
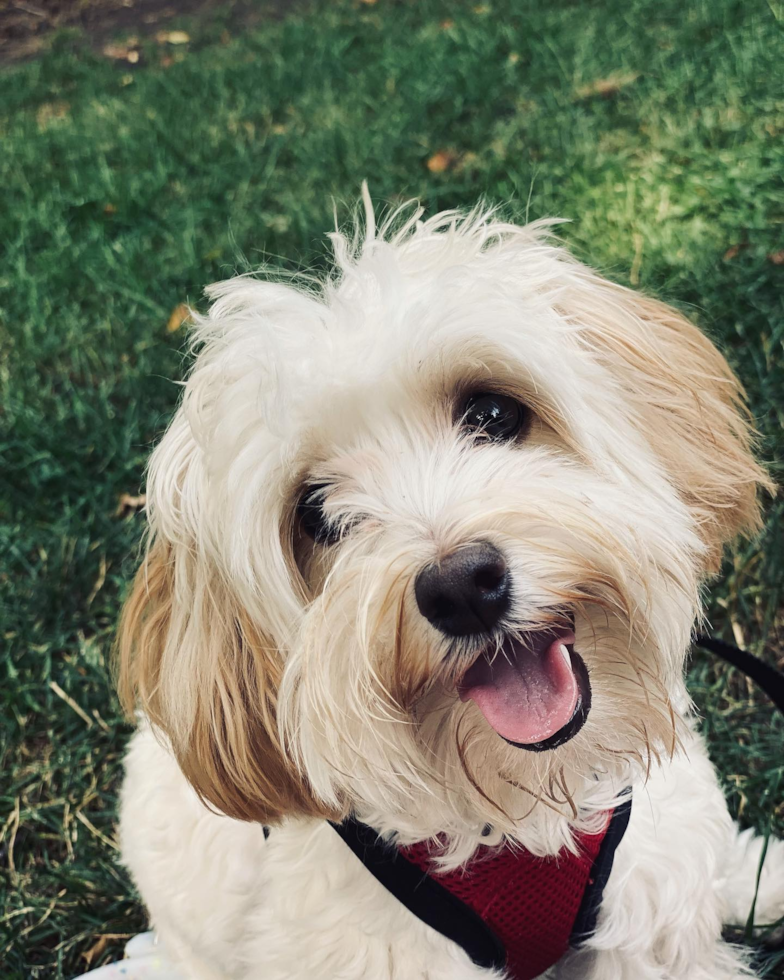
[607,86]
[447,24]
[103,940]
[368,3]
[95,950]
[110,209]
[442,161]
[129,504]
[482,9]
[734,250]
[178,316]
[172,37]
[50,112]
[777,258]
[129,51]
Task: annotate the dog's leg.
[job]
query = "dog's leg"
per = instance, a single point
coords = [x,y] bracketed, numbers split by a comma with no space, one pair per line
[739,885]
[722,962]
[198,873]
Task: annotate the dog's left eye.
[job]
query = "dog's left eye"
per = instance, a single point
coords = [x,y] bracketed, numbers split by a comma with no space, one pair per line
[313,520]
[493,415]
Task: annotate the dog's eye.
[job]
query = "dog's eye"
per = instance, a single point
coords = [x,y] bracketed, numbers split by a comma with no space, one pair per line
[494,416]
[313,520]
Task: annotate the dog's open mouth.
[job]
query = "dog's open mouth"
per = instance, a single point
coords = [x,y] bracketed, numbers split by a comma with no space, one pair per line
[533,691]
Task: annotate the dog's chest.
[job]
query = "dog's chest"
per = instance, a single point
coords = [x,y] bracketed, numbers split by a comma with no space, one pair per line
[532,905]
[507,910]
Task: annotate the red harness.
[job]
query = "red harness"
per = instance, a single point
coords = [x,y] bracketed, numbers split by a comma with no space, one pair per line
[530,903]
[508,909]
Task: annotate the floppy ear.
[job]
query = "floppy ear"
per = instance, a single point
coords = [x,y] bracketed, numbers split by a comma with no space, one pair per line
[208,679]
[687,401]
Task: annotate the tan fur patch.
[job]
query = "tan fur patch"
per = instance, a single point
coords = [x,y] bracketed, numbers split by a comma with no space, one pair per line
[690,406]
[228,746]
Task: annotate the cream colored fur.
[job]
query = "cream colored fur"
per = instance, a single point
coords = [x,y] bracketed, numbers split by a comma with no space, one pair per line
[288,682]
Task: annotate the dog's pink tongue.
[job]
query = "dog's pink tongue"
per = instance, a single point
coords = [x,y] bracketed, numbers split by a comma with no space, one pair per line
[527,693]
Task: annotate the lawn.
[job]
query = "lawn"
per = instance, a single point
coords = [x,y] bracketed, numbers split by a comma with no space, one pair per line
[135,174]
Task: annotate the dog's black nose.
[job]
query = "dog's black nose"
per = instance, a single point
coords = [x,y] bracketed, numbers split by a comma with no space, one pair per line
[465,593]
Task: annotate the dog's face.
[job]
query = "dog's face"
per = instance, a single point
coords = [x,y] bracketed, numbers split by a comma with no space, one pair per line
[429,541]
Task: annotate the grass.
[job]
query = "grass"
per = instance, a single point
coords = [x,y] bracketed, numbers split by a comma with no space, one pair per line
[655,126]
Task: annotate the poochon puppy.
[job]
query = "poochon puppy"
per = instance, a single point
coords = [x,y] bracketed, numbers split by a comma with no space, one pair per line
[428,537]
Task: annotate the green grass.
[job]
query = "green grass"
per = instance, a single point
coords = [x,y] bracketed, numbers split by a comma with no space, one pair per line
[128,189]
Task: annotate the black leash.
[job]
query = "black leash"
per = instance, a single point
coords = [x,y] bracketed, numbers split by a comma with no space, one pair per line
[770,680]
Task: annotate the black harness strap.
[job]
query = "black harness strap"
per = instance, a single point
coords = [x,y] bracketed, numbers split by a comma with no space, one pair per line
[423,895]
[585,923]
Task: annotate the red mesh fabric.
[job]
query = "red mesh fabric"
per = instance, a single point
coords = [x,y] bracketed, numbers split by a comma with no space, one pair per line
[530,903]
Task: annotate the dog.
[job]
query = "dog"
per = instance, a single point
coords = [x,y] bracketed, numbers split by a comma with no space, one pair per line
[428,538]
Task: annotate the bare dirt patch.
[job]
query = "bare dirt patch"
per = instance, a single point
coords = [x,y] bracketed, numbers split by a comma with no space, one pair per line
[26,26]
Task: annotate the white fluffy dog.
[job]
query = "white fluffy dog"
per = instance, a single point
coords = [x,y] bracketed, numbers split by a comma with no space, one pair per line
[427,545]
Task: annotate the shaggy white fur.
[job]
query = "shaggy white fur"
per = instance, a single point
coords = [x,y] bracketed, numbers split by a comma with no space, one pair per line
[290,676]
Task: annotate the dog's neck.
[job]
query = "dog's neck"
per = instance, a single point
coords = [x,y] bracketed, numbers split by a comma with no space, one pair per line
[542,826]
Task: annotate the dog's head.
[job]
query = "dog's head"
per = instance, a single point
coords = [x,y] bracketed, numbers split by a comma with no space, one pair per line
[428,536]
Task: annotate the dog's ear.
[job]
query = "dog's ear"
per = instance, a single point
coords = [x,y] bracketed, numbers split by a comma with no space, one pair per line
[687,401]
[207,678]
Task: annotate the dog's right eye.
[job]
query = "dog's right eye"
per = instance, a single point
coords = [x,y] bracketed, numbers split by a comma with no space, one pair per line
[313,520]
[494,416]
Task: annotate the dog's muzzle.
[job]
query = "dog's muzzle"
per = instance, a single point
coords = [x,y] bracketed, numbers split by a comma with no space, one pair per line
[532,687]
